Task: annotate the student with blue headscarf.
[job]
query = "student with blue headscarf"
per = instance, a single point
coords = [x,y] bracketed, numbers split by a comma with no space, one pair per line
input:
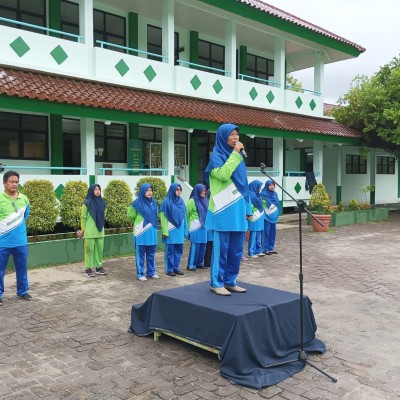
[92,229]
[196,211]
[143,213]
[174,228]
[228,209]
[272,209]
[256,222]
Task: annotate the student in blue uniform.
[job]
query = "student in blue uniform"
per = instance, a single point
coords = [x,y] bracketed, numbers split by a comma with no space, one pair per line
[196,211]
[256,222]
[174,228]
[272,209]
[228,209]
[143,213]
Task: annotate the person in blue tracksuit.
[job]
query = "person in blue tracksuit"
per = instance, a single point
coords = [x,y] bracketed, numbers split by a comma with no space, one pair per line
[174,228]
[272,210]
[196,211]
[256,222]
[14,211]
[228,209]
[143,213]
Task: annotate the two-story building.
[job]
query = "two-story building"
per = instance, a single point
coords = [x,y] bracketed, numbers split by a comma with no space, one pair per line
[94,90]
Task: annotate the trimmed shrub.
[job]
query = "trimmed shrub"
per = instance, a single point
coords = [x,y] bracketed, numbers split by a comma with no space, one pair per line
[118,196]
[43,203]
[159,188]
[72,199]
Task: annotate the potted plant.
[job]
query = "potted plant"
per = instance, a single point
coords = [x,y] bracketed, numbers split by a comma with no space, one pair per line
[321,204]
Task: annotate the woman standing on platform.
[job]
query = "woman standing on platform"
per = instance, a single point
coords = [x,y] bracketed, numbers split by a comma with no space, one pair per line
[196,211]
[92,230]
[228,209]
[143,213]
[272,210]
[174,228]
[256,222]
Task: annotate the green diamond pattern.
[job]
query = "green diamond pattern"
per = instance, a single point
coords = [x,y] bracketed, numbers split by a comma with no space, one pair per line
[253,93]
[59,191]
[122,67]
[270,97]
[297,187]
[299,102]
[217,86]
[59,55]
[19,46]
[150,73]
[196,82]
[312,105]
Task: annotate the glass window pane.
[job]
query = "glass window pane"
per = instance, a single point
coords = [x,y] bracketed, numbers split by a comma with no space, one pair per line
[154,35]
[146,133]
[10,15]
[34,20]
[180,136]
[9,120]
[71,126]
[35,7]
[115,25]
[35,146]
[204,49]
[34,123]
[70,12]
[262,64]
[116,131]
[98,20]
[9,144]
[8,4]
[158,134]
[116,150]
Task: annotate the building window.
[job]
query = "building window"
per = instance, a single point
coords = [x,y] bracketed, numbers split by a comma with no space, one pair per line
[385,165]
[259,67]
[259,150]
[109,28]
[355,164]
[69,19]
[154,43]
[110,143]
[23,137]
[212,55]
[30,12]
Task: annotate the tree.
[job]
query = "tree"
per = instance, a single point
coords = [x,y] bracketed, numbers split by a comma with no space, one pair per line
[294,83]
[372,107]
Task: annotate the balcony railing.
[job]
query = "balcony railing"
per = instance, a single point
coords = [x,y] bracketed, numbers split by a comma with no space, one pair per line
[78,38]
[199,66]
[302,90]
[253,78]
[140,171]
[35,168]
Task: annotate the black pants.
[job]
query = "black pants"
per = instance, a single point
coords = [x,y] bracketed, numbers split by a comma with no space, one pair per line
[207,255]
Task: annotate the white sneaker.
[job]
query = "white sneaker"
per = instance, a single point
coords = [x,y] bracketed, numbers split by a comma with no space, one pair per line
[142,278]
[254,256]
[155,276]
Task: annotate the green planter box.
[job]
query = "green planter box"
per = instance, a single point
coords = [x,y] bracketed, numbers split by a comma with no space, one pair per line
[66,251]
[356,217]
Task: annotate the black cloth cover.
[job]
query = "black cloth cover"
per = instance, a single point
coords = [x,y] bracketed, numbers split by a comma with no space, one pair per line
[258,332]
[310,181]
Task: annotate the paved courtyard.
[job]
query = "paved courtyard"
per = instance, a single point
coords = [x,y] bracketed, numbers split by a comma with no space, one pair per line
[71,341]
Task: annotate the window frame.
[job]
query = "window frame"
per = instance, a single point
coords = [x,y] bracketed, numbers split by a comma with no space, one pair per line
[158,46]
[355,164]
[385,168]
[208,61]
[106,138]
[20,17]
[256,72]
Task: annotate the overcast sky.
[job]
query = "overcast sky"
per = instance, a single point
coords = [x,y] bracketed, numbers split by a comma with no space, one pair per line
[375,25]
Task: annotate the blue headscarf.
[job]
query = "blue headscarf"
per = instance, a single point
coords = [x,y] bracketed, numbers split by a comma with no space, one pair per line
[200,202]
[270,196]
[221,153]
[96,206]
[255,197]
[146,207]
[173,206]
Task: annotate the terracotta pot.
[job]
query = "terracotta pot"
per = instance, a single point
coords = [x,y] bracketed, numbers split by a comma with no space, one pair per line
[325,219]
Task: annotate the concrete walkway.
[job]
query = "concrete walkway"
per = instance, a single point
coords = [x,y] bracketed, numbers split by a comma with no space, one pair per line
[71,341]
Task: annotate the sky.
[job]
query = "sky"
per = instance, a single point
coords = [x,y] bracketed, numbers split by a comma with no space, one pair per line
[370,23]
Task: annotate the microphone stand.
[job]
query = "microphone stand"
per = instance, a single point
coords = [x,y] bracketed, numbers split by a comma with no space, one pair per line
[302,207]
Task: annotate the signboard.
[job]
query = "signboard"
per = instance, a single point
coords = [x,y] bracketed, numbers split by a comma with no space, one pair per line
[134,155]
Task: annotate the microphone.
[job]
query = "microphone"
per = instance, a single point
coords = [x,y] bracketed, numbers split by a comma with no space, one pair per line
[243,153]
[262,166]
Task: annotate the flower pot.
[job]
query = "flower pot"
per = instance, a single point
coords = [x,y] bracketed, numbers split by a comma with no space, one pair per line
[325,219]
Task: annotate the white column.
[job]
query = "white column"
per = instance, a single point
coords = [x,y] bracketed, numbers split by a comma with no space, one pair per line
[338,172]
[230,48]
[318,73]
[279,61]
[318,159]
[86,21]
[278,155]
[168,149]
[168,28]
[87,145]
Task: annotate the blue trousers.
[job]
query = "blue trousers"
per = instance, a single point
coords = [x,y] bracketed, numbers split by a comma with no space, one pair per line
[145,254]
[172,256]
[20,257]
[196,255]
[254,246]
[269,236]
[225,263]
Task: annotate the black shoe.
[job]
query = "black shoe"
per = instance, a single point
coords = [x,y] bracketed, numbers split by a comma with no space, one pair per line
[267,253]
[201,266]
[1,302]
[101,271]
[89,272]
[26,297]
[191,269]
[179,273]
[273,252]
[171,274]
